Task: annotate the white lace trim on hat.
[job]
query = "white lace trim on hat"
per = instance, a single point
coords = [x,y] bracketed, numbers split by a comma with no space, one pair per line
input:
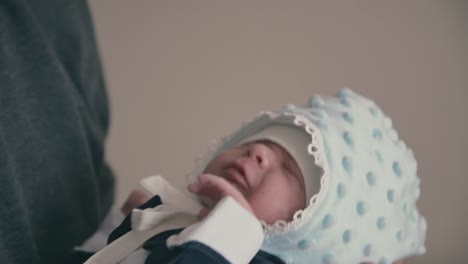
[316,150]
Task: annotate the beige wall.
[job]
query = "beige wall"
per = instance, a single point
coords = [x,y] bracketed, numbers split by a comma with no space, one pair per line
[182,73]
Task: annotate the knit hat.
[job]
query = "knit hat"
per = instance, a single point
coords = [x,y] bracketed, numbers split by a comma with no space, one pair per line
[365,208]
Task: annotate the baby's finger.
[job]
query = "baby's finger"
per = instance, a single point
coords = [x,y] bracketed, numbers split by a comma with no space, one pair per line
[204,189]
[210,188]
[214,181]
[203,192]
[194,187]
[214,186]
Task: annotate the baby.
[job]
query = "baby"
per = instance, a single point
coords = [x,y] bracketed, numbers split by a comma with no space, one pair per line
[326,183]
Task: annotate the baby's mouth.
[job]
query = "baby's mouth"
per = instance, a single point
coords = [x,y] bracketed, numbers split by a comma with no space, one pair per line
[235,173]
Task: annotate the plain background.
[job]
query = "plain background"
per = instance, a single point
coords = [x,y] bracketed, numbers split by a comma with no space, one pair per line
[183,73]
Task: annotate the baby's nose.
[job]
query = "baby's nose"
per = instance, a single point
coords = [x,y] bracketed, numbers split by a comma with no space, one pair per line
[261,155]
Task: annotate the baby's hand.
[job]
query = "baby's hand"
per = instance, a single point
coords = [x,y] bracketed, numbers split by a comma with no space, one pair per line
[215,188]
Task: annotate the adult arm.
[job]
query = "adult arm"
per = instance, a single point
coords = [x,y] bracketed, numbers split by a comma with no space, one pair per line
[55,185]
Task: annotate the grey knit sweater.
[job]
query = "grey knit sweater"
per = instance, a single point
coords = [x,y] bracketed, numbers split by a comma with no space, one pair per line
[55,186]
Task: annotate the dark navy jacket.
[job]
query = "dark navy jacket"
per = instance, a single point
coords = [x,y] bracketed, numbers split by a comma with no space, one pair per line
[190,252]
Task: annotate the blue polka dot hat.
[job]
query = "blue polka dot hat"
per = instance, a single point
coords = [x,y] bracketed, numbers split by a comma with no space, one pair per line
[365,207]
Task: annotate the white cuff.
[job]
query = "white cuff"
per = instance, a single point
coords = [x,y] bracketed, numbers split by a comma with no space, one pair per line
[229,229]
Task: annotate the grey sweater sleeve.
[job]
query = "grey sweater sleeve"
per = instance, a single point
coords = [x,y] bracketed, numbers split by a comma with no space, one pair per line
[55,185]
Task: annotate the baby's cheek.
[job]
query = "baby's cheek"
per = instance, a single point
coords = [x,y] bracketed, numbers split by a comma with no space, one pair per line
[271,214]
[263,211]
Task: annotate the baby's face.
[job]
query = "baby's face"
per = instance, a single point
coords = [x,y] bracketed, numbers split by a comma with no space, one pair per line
[266,175]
